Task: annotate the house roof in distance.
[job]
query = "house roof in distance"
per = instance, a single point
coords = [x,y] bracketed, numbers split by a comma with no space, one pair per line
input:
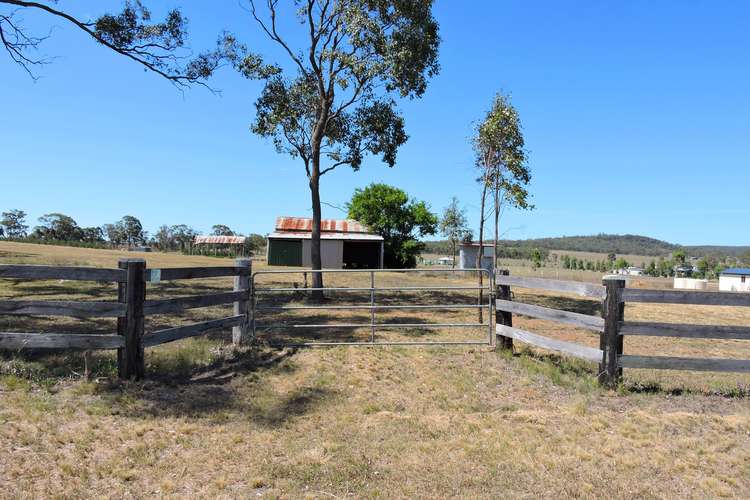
[739,271]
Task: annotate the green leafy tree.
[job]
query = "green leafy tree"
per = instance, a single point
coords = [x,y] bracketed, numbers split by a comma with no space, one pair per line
[256,242]
[159,47]
[184,236]
[132,230]
[57,227]
[400,220]
[679,257]
[93,235]
[536,258]
[621,263]
[332,104]
[13,223]
[115,233]
[221,230]
[500,155]
[454,226]
[165,239]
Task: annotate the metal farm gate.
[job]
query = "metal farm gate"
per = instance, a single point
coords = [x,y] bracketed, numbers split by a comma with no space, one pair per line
[270,312]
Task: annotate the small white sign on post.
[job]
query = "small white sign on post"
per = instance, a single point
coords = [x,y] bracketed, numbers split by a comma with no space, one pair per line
[154,276]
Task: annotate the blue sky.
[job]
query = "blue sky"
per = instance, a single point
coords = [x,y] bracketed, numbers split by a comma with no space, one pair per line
[635,116]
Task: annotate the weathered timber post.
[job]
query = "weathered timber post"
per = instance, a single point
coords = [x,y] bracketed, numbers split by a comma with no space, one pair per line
[504,317]
[610,340]
[130,359]
[240,333]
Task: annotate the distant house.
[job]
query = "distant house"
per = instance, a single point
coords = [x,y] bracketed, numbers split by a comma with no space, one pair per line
[345,244]
[736,279]
[630,271]
[684,271]
[467,256]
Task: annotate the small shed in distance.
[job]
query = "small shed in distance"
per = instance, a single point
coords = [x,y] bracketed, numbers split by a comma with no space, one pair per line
[467,256]
[735,280]
[345,244]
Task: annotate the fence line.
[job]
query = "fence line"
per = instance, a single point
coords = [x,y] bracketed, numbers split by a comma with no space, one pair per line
[613,327]
[131,309]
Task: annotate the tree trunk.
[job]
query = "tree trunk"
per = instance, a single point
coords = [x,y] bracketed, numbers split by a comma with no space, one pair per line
[497,226]
[315,256]
[481,248]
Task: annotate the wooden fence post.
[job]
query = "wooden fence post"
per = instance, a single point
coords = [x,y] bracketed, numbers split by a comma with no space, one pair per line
[130,360]
[610,340]
[504,317]
[240,333]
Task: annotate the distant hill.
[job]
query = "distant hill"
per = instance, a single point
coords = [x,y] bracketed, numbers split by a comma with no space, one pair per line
[607,243]
[716,250]
[603,243]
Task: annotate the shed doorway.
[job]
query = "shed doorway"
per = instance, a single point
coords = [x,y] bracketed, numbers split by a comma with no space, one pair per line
[361,254]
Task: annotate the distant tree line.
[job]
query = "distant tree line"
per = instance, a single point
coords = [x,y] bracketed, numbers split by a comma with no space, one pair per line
[61,229]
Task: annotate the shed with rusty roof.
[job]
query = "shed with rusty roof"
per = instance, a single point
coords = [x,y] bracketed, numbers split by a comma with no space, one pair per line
[345,244]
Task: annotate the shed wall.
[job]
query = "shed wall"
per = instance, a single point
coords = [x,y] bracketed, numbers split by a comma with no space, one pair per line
[734,284]
[331,253]
[467,258]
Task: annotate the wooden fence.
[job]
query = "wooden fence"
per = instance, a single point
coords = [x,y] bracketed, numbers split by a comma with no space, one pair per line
[612,327]
[131,309]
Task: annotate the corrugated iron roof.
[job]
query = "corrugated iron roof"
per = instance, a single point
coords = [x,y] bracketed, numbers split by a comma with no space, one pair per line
[232,240]
[326,225]
[737,270]
[304,235]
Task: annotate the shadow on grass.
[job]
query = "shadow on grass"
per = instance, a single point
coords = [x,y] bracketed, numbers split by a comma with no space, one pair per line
[582,375]
[560,370]
[656,388]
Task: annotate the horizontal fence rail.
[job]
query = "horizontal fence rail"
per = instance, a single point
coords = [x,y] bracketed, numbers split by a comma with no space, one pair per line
[62,308]
[30,272]
[10,340]
[182,332]
[583,289]
[685,330]
[370,289]
[686,297]
[186,273]
[570,348]
[179,304]
[692,364]
[379,325]
[540,312]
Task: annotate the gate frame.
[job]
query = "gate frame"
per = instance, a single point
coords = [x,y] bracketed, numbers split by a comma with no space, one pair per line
[372,307]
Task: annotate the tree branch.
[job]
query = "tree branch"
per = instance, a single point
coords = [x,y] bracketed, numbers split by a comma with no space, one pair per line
[134,53]
[273,34]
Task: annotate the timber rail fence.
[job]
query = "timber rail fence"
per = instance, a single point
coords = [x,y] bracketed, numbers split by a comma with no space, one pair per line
[612,326]
[130,309]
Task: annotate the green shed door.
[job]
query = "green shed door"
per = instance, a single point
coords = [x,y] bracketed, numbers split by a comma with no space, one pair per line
[285,252]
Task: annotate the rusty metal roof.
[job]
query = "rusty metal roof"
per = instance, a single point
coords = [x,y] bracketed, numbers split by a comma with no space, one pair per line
[232,240]
[326,225]
[327,235]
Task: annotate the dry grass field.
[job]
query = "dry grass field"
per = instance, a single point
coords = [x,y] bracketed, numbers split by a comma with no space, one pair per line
[215,421]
